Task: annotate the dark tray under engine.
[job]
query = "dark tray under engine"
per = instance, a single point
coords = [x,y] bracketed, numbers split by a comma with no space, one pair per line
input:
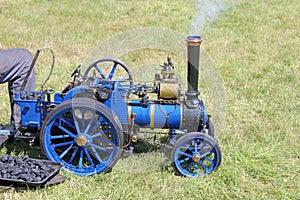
[27,171]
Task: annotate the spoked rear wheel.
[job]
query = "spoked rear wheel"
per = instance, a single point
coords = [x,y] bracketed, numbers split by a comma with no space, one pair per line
[196,154]
[84,135]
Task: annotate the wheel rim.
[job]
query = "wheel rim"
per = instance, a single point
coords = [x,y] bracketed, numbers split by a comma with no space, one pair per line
[196,156]
[83,139]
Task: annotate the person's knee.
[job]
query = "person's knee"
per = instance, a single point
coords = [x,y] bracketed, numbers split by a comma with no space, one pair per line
[26,54]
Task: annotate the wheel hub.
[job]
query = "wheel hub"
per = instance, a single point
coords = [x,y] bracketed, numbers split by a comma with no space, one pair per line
[81,140]
[196,158]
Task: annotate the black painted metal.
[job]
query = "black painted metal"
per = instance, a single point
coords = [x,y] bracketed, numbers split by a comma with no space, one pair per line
[193,43]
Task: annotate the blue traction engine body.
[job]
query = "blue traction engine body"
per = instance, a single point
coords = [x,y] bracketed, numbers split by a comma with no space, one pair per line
[97,118]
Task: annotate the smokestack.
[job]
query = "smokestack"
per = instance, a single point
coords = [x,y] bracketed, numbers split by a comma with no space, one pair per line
[193,44]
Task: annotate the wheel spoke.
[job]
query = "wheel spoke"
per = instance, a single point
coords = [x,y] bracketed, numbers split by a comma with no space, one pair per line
[184,160]
[189,166]
[203,167]
[195,146]
[100,71]
[209,160]
[82,119]
[112,72]
[197,168]
[188,147]
[185,154]
[76,122]
[80,158]
[203,144]
[98,147]
[73,155]
[99,122]
[66,151]
[66,131]
[66,122]
[123,80]
[89,157]
[96,126]
[99,133]
[61,144]
[110,64]
[87,129]
[205,154]
[96,154]
[53,137]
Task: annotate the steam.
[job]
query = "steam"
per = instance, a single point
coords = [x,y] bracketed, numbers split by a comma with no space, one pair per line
[207,12]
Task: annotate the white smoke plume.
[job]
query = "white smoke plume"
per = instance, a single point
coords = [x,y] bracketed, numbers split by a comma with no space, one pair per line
[207,12]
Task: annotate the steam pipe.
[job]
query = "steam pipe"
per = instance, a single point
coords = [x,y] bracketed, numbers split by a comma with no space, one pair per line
[193,47]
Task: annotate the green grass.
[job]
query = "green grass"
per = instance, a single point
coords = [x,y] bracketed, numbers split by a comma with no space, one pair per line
[253,45]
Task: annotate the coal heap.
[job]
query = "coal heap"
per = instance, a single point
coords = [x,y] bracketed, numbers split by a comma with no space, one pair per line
[24,169]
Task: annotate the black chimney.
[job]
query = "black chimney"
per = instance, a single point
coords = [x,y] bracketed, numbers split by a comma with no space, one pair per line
[193,44]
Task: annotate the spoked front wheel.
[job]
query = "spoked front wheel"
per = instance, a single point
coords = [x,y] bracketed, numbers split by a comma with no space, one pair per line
[84,135]
[196,154]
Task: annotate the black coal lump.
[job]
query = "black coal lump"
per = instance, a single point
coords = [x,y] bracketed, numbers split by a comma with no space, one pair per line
[24,177]
[25,170]
[4,171]
[16,171]
[36,171]
[10,159]
[18,160]
[10,168]
[43,166]
[13,177]
[6,176]
[38,179]
[25,157]
[4,158]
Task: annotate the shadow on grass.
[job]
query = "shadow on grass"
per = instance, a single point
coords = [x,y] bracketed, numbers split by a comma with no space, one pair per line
[149,155]
[20,148]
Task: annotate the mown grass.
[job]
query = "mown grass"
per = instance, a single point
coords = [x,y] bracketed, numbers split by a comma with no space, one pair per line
[255,47]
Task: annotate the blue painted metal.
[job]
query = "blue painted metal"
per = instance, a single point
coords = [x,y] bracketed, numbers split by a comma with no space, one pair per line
[73,138]
[204,114]
[33,111]
[196,154]
[79,145]
[162,116]
[150,114]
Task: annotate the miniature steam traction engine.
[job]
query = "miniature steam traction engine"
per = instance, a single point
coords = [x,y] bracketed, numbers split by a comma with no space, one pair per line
[98,116]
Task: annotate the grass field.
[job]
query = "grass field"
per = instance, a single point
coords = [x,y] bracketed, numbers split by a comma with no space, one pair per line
[254,45]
